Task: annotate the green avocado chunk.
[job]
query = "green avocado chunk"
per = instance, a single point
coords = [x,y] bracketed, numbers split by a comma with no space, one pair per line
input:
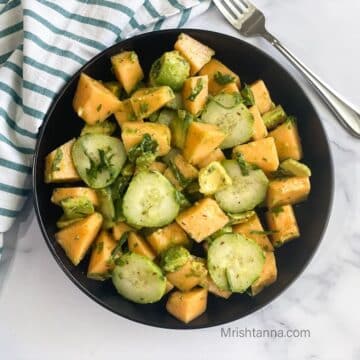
[170,69]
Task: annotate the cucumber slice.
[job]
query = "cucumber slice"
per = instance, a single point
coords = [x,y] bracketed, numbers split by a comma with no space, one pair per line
[234,262]
[176,103]
[150,200]
[295,168]
[98,158]
[231,116]
[245,193]
[166,116]
[138,279]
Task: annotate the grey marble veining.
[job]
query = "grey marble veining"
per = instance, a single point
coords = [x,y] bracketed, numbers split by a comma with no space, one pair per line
[44,316]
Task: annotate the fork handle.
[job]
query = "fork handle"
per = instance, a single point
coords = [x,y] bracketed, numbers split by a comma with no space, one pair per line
[347,115]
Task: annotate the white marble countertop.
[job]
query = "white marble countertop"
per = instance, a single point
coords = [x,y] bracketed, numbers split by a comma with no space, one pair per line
[44,316]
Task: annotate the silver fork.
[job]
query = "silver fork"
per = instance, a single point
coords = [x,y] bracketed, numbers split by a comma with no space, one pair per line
[250,21]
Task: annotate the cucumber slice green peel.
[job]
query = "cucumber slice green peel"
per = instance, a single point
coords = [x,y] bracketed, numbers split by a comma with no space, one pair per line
[150,200]
[234,262]
[98,159]
[138,279]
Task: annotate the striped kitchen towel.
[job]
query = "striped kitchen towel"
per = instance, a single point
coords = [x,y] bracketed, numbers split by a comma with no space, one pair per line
[42,43]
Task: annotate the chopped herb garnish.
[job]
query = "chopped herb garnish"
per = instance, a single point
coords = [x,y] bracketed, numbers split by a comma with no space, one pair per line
[103,162]
[182,200]
[144,107]
[133,57]
[290,121]
[118,249]
[57,160]
[263,232]
[99,246]
[99,107]
[244,167]
[247,96]
[183,181]
[145,160]
[223,79]
[119,186]
[196,90]
[277,210]
[146,145]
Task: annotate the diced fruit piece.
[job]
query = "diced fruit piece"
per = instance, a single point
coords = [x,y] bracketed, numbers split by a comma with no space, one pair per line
[230,88]
[260,130]
[100,265]
[215,155]
[179,128]
[169,286]
[170,235]
[201,140]
[106,127]
[282,222]
[231,116]
[186,306]
[254,230]
[119,229]
[234,262]
[261,96]
[77,207]
[247,190]
[195,93]
[219,76]
[260,152]
[212,288]
[138,245]
[196,53]
[93,102]
[59,166]
[267,276]
[127,69]
[180,173]
[171,69]
[77,238]
[133,133]
[213,178]
[274,117]
[287,191]
[60,194]
[125,113]
[295,168]
[189,275]
[98,159]
[186,170]
[150,200]
[147,101]
[202,219]
[287,140]
[138,279]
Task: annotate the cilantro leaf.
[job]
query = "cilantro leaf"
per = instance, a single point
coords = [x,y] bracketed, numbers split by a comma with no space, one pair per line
[247,96]
[223,79]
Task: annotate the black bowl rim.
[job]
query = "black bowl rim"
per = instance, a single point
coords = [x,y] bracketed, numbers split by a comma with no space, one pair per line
[36,159]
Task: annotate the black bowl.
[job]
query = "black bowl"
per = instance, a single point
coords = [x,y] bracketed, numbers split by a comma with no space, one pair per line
[250,63]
